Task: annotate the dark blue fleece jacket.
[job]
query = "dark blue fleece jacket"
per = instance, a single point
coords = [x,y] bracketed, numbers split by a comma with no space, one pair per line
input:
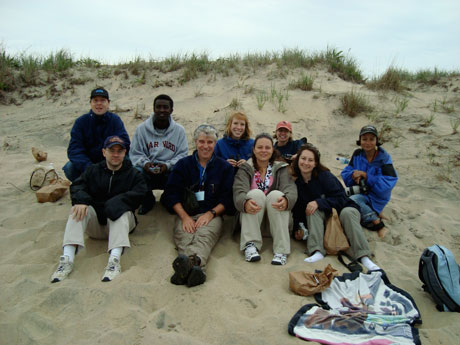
[87,138]
[229,148]
[217,188]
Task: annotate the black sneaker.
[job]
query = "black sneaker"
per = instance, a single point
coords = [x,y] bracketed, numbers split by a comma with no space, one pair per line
[196,277]
[182,267]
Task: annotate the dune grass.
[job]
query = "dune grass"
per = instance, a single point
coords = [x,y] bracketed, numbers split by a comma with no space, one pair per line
[24,70]
[305,83]
[354,103]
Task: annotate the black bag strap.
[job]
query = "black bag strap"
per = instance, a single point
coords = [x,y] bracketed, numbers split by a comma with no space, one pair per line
[353,266]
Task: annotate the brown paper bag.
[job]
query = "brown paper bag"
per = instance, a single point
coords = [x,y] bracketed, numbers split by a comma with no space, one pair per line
[306,284]
[334,236]
[39,155]
[53,191]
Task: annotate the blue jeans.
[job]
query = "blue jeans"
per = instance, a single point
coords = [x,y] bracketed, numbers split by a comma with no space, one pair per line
[70,172]
[367,213]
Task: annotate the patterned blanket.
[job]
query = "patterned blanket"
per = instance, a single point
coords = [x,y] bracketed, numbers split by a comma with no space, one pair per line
[360,309]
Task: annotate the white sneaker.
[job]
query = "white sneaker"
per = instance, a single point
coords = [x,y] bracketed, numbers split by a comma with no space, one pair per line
[279,259]
[112,269]
[63,270]
[250,252]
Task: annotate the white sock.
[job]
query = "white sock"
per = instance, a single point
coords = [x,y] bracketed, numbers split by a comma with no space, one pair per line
[315,257]
[116,252]
[69,250]
[369,264]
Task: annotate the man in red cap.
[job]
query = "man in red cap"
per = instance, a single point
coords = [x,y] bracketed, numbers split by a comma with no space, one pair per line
[285,144]
[104,199]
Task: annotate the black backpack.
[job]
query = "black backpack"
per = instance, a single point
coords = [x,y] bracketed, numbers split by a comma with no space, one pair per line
[440,275]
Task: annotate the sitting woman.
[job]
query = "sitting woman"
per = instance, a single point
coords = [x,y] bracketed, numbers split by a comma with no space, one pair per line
[236,145]
[372,169]
[318,192]
[198,227]
[264,186]
[285,144]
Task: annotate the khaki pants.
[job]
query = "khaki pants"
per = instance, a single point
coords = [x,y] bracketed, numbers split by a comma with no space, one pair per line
[116,231]
[201,242]
[350,219]
[278,222]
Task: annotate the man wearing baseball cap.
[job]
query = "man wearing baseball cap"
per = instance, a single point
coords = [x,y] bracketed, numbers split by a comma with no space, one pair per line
[104,199]
[89,132]
[285,144]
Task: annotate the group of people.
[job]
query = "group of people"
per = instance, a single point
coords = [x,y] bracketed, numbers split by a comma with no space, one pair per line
[268,186]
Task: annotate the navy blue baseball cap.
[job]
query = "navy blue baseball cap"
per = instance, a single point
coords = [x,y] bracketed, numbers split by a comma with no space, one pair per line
[114,140]
[100,91]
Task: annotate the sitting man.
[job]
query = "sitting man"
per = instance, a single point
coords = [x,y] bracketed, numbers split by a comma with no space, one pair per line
[104,198]
[89,132]
[208,179]
[158,143]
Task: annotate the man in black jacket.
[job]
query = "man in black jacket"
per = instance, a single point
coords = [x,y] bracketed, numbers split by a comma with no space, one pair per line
[104,199]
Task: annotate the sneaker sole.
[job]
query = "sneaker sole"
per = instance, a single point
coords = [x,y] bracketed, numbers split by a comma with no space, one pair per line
[254,259]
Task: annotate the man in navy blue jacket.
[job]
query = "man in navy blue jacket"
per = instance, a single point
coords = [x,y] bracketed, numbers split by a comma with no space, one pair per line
[197,229]
[89,132]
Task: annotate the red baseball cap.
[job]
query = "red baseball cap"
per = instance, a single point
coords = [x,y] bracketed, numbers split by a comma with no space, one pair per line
[284,124]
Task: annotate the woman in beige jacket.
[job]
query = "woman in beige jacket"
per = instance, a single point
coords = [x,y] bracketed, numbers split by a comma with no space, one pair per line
[264,186]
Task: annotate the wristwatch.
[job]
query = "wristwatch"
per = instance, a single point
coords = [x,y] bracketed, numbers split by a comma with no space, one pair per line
[213,212]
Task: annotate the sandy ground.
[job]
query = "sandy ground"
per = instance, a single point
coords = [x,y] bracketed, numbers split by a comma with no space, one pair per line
[240,303]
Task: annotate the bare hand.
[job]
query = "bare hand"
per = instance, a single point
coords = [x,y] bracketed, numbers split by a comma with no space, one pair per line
[188,225]
[147,167]
[280,204]
[204,219]
[311,208]
[251,207]
[298,235]
[79,212]
[358,175]
[232,162]
[241,161]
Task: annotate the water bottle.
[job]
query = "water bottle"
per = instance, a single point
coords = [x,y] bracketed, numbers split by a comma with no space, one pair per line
[304,230]
[343,160]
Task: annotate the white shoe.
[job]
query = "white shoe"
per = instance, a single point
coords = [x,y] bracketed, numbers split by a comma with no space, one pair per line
[63,270]
[112,269]
[250,252]
[279,259]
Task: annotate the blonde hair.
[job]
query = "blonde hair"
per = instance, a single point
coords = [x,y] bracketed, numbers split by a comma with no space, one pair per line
[240,116]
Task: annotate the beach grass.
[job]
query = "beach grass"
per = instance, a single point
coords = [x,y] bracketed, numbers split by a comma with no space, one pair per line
[354,103]
[25,70]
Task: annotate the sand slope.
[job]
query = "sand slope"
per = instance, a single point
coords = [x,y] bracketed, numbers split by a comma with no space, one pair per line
[240,303]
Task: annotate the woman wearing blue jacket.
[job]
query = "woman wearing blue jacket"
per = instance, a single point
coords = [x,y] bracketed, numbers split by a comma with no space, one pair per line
[236,145]
[372,169]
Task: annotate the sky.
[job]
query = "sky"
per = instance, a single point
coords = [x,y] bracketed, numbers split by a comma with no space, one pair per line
[411,35]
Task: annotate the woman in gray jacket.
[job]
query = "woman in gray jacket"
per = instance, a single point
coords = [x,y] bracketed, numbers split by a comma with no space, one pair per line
[264,186]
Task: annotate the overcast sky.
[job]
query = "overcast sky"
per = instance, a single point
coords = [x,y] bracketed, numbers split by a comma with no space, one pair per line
[407,34]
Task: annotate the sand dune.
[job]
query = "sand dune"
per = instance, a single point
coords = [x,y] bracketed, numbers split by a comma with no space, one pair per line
[240,303]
